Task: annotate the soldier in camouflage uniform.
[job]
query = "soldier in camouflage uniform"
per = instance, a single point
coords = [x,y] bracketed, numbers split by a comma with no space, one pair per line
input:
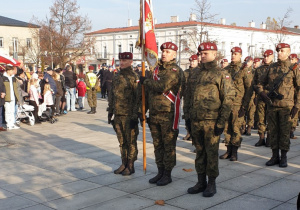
[283,106]
[91,81]
[261,106]
[241,76]
[224,63]
[165,84]
[193,64]
[124,102]
[210,106]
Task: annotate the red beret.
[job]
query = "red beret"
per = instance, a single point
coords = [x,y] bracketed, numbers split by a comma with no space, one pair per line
[293,56]
[193,57]
[248,58]
[207,46]
[91,67]
[236,49]
[168,45]
[126,55]
[256,60]
[224,60]
[268,52]
[282,45]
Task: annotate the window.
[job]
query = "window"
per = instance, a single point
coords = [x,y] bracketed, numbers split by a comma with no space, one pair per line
[131,48]
[104,52]
[1,41]
[120,48]
[15,47]
[28,41]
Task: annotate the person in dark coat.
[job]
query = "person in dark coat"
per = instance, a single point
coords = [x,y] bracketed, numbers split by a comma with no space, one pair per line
[2,101]
[108,76]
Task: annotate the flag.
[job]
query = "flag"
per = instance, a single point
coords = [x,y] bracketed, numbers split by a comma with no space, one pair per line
[146,33]
[113,65]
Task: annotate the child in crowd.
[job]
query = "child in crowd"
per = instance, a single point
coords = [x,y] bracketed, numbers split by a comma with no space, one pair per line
[81,87]
[48,99]
[34,98]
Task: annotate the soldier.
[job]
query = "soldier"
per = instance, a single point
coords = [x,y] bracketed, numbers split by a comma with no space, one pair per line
[294,59]
[193,64]
[211,101]
[163,101]
[91,81]
[199,59]
[279,88]
[107,78]
[241,77]
[261,108]
[256,65]
[124,103]
[138,70]
[100,76]
[224,63]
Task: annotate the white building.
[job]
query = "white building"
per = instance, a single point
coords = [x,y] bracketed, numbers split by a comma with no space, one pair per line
[186,35]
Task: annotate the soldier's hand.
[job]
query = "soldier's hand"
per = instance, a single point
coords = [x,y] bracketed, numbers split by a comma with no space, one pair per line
[265,97]
[241,112]
[133,123]
[109,117]
[218,131]
[188,125]
[294,111]
[93,88]
[142,79]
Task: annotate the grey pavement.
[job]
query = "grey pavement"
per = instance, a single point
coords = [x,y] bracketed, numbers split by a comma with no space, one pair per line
[69,165]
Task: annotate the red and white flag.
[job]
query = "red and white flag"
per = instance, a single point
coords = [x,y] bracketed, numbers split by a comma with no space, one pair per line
[113,65]
[146,33]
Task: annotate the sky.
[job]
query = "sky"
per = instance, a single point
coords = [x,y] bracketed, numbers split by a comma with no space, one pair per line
[115,13]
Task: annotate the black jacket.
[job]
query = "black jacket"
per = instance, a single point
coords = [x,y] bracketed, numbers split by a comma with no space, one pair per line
[2,90]
[70,79]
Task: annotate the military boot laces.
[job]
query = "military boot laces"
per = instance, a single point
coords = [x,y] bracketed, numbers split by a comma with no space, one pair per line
[261,140]
[283,160]
[234,156]
[129,169]
[211,187]
[274,159]
[157,177]
[166,179]
[200,186]
[121,168]
[227,154]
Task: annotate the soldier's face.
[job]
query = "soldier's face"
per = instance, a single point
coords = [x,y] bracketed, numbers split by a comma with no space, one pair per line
[193,63]
[224,64]
[168,55]
[283,53]
[236,57]
[208,56]
[294,60]
[256,65]
[125,63]
[268,59]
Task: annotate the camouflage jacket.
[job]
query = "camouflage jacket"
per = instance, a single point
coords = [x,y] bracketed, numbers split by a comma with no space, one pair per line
[259,73]
[186,73]
[289,88]
[212,96]
[170,79]
[125,94]
[241,79]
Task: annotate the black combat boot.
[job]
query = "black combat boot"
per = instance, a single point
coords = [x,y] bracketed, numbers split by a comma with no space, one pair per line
[166,178]
[92,111]
[211,187]
[274,159]
[234,156]
[292,135]
[227,154]
[122,167]
[200,186]
[248,132]
[283,160]
[129,169]
[157,177]
[261,140]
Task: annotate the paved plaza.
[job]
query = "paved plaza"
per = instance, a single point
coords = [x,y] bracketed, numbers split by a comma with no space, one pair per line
[69,165]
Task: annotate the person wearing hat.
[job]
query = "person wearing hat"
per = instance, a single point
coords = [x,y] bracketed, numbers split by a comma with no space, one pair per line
[107,79]
[224,63]
[138,70]
[100,75]
[123,104]
[193,65]
[212,98]
[261,108]
[241,77]
[91,80]
[163,102]
[283,103]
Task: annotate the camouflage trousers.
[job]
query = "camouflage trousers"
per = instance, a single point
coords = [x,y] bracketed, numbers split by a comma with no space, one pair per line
[164,139]
[127,137]
[279,125]
[261,110]
[207,147]
[295,120]
[232,127]
[92,98]
[250,114]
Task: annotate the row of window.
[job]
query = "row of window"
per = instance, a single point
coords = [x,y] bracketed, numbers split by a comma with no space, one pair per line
[15,42]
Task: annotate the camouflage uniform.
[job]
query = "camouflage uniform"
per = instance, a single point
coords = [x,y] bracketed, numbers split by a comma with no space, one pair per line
[91,94]
[124,102]
[241,83]
[161,112]
[209,106]
[279,120]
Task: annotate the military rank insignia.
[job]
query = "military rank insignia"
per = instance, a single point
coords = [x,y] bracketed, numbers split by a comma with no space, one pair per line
[227,77]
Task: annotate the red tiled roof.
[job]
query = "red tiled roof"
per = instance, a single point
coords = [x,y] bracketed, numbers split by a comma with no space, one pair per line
[183,23]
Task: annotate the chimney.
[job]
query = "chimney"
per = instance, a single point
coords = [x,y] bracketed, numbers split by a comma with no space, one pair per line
[263,25]
[296,26]
[193,17]
[252,24]
[129,22]
[223,21]
[174,19]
